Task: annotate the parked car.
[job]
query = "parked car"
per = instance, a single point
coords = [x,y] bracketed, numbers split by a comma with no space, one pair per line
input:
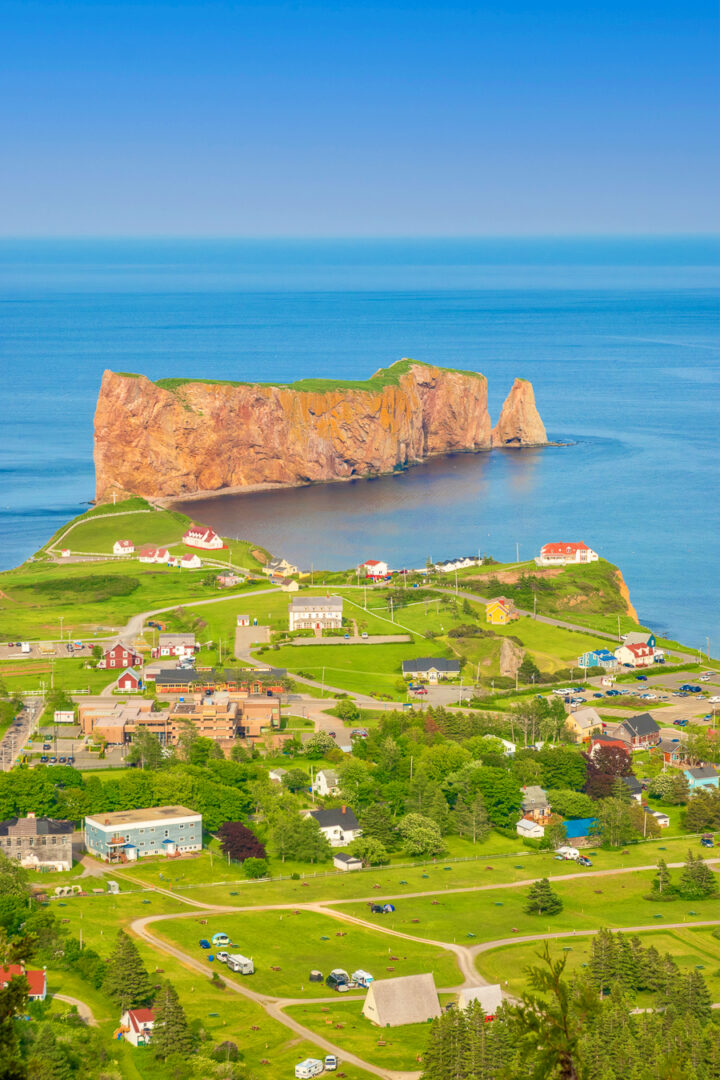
[707,840]
[70,759]
[53,761]
[715,699]
[420,690]
[331,1063]
[204,943]
[584,861]
[598,695]
[641,678]
[680,723]
[222,957]
[44,759]
[47,746]
[61,760]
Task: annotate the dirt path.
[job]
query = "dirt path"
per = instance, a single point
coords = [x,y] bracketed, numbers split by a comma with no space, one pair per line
[83,1008]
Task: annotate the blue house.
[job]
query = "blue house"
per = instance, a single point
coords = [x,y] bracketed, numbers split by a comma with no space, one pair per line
[702,776]
[129,835]
[598,658]
[579,828]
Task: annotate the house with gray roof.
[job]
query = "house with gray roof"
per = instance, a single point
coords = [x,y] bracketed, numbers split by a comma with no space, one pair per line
[431,668]
[339,825]
[641,730]
[37,843]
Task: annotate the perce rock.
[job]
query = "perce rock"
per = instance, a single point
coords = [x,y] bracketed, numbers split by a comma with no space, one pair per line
[519,424]
[182,437]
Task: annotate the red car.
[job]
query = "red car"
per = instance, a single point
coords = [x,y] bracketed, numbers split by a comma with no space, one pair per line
[420,690]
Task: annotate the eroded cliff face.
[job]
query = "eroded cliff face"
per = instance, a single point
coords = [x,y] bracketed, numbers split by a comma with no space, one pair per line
[519,424]
[192,437]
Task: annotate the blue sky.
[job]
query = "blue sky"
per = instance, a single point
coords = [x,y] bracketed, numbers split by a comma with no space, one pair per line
[347,119]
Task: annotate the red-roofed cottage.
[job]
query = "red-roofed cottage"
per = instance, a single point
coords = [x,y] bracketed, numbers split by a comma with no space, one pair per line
[136,1026]
[123,547]
[202,536]
[635,655]
[36,980]
[374,569]
[560,554]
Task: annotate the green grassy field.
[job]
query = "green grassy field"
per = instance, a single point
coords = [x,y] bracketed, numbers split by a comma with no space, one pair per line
[296,944]
[391,1048]
[67,674]
[365,669]
[221,1013]
[495,862]
[690,947]
[613,901]
[92,598]
[96,533]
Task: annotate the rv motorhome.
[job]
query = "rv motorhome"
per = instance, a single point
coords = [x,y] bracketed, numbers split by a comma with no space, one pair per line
[241,964]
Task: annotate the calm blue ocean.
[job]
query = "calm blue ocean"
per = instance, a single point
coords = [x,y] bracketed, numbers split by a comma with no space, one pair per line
[619,338]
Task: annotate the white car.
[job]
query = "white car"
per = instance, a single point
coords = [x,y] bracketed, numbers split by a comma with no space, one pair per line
[222,957]
[715,699]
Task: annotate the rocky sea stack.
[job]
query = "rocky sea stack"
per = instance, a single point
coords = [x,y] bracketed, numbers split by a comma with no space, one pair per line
[179,437]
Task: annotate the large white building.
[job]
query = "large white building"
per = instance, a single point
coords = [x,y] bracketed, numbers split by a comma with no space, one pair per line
[562,554]
[201,536]
[315,613]
[128,835]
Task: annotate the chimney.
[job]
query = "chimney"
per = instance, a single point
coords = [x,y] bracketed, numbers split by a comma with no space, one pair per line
[31,813]
[343,809]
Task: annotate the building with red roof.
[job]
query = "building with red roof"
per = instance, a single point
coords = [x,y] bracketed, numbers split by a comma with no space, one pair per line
[136,1026]
[202,536]
[36,978]
[635,656]
[564,553]
[374,569]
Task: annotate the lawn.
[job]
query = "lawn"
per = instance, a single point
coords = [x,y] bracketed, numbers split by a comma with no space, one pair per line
[689,947]
[65,673]
[390,1048]
[297,942]
[221,1013]
[95,534]
[92,598]
[494,862]
[613,901]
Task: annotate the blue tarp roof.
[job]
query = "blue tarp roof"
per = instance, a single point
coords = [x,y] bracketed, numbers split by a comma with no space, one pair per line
[579,827]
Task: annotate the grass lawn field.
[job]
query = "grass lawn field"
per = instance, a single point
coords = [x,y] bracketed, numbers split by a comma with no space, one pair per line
[690,947]
[295,944]
[220,1013]
[495,862]
[392,1048]
[612,901]
[92,598]
[67,674]
[96,533]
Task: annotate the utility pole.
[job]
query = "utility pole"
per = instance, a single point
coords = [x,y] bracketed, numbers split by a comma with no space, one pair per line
[392,616]
[534,604]
[61,626]
[322,690]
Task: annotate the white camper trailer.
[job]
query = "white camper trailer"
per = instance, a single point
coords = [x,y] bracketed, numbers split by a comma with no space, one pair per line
[308,1068]
[241,964]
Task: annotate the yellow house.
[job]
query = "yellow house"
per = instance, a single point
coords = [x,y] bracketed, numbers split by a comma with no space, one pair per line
[500,611]
[583,722]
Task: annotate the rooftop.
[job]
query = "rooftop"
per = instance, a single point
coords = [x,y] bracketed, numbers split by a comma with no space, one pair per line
[141,817]
[425,663]
[327,819]
[316,603]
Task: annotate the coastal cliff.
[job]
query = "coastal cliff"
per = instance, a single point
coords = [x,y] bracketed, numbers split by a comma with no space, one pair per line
[519,424]
[182,437]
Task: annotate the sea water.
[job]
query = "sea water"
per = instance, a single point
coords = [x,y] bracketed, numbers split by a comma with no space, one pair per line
[619,338]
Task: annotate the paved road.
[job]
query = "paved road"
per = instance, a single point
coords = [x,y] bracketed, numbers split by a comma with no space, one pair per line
[19,732]
[82,1007]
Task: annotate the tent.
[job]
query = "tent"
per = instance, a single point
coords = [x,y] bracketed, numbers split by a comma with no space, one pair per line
[488,997]
[410,999]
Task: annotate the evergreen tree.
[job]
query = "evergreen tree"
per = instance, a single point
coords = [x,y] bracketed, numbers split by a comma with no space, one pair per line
[439,812]
[626,964]
[541,900]
[662,882]
[602,964]
[126,981]
[171,1031]
[696,880]
[471,818]
[694,997]
[49,1059]
[377,823]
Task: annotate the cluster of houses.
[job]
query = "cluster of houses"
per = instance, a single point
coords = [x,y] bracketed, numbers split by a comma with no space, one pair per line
[197,536]
[638,650]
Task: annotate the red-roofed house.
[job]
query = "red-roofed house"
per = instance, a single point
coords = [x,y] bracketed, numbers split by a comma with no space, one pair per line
[137,1025]
[600,740]
[36,980]
[120,656]
[201,536]
[129,682]
[147,553]
[374,569]
[560,554]
[635,655]
[123,547]
[500,611]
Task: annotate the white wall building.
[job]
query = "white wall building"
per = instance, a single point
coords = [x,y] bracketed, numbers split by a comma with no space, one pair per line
[315,613]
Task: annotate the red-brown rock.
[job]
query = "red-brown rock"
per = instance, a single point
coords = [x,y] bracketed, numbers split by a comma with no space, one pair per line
[519,424]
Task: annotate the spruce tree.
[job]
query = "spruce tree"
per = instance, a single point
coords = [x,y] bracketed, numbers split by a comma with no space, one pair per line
[439,812]
[695,997]
[49,1060]
[541,900]
[126,981]
[662,882]
[626,965]
[602,963]
[377,822]
[471,818]
[171,1031]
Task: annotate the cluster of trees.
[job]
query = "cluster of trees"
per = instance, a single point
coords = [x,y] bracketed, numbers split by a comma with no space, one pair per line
[616,960]
[696,882]
[564,1030]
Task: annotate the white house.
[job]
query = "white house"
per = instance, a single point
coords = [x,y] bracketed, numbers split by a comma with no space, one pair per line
[180,645]
[243,620]
[373,568]
[280,568]
[137,1025]
[65,553]
[188,562]
[562,554]
[450,565]
[315,613]
[275,776]
[326,783]
[530,830]
[339,825]
[635,656]
[201,536]
[123,547]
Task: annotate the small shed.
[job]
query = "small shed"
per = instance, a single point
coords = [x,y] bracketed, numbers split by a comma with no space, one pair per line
[316,976]
[342,861]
